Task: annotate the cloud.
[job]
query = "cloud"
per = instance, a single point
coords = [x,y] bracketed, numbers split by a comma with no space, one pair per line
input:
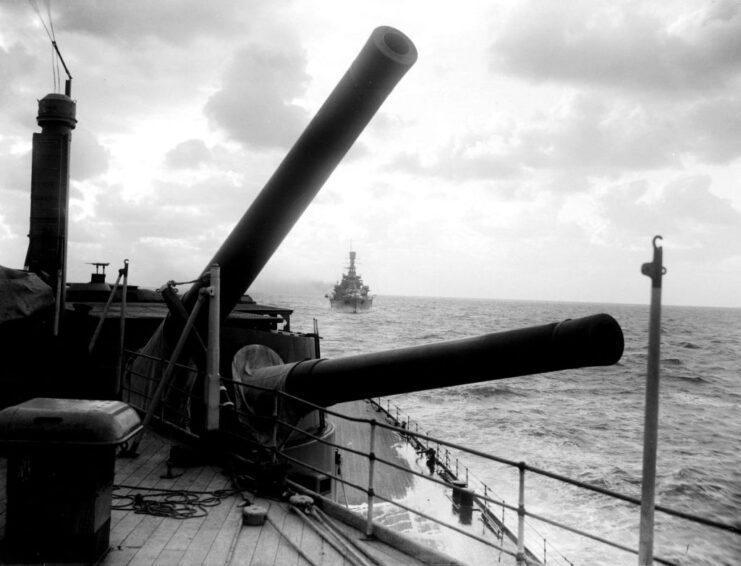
[189,154]
[689,198]
[699,224]
[16,65]
[89,158]
[625,46]
[15,172]
[598,137]
[131,21]
[713,128]
[160,235]
[256,103]
[459,163]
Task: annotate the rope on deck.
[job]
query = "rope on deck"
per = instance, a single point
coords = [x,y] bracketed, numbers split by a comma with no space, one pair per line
[175,504]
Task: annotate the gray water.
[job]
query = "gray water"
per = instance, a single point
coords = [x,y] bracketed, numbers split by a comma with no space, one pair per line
[586,424]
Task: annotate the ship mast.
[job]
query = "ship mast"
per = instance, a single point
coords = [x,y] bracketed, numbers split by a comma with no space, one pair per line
[351,269]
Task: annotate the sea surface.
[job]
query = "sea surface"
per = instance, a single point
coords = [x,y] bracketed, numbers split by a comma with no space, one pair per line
[586,424]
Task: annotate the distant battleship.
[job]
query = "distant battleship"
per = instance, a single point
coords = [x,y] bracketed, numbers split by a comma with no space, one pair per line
[350,295]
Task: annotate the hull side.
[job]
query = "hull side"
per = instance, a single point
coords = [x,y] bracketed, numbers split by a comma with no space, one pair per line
[351,305]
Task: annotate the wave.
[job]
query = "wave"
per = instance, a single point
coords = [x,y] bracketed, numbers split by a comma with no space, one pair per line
[488,391]
[614,478]
[689,346]
[684,377]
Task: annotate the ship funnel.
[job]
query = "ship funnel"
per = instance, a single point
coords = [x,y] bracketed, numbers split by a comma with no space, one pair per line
[47,245]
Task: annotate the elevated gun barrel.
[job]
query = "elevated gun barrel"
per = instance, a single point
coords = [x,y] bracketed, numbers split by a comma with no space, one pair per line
[595,340]
[383,61]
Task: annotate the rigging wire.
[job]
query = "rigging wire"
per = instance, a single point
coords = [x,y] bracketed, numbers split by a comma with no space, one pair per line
[58,84]
[51,34]
[35,6]
[54,68]
[51,21]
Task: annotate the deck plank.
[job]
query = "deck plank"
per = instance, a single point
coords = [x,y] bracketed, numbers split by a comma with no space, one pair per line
[227,535]
[382,552]
[156,542]
[212,524]
[169,558]
[248,539]
[187,529]
[152,453]
[267,547]
[146,536]
[293,529]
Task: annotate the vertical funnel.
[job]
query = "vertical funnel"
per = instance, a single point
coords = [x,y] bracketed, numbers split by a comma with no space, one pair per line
[47,246]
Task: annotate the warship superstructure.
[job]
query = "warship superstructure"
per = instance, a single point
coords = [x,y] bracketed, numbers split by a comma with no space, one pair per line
[350,294]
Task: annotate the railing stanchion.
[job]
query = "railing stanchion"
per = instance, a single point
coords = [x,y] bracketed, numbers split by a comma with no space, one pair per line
[275,426]
[521,519]
[213,379]
[371,470]
[122,328]
[103,315]
[655,270]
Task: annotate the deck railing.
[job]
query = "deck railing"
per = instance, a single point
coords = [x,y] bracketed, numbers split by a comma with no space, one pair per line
[495,512]
[186,407]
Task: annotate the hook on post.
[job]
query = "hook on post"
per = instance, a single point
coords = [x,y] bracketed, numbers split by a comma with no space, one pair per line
[655,269]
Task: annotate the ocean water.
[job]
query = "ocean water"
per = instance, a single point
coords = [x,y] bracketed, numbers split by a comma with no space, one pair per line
[586,424]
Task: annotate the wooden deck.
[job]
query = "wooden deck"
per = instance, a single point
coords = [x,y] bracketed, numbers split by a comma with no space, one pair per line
[219,536]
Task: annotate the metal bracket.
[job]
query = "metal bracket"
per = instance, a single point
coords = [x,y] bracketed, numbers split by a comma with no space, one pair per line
[655,270]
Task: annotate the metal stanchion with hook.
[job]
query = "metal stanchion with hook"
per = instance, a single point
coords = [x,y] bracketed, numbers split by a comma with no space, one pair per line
[655,270]
[123,272]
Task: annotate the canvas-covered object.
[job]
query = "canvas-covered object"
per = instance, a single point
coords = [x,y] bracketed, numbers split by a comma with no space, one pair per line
[22,294]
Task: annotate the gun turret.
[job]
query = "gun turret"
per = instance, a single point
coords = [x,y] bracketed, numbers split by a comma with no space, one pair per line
[595,340]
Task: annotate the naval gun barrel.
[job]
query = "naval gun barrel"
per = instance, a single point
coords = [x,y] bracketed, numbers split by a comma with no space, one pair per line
[595,340]
[382,62]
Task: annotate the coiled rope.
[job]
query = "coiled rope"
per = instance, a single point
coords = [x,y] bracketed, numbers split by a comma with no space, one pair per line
[173,503]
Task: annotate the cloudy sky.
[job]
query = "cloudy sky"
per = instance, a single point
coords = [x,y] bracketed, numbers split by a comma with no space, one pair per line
[532,152]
